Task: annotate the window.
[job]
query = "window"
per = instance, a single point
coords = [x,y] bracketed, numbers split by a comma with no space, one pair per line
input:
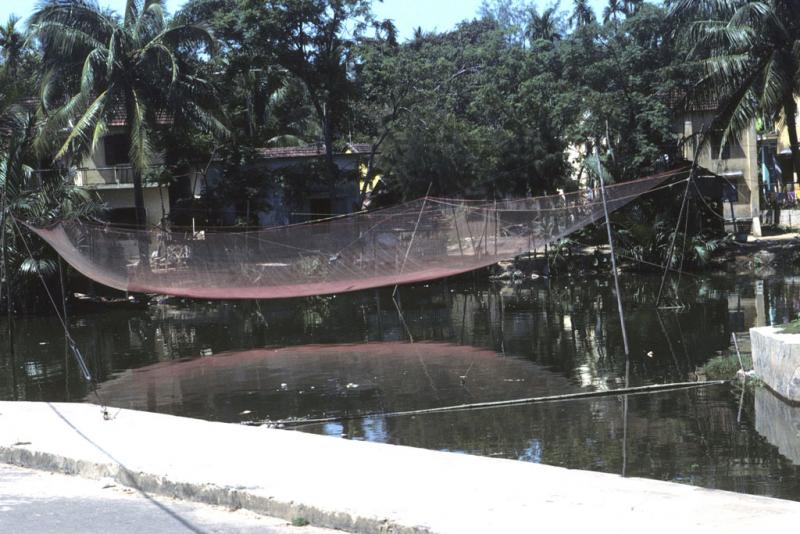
[117,148]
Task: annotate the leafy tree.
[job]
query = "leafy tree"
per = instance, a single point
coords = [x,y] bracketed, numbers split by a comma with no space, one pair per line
[509,15]
[480,118]
[383,70]
[620,76]
[99,67]
[749,53]
[312,40]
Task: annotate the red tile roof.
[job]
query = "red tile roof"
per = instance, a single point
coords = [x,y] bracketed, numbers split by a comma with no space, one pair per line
[360,148]
[120,118]
[682,100]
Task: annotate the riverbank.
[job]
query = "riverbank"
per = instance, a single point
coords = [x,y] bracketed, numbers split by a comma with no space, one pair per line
[358,486]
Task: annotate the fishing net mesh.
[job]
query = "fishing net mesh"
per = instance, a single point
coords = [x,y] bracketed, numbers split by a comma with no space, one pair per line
[416,241]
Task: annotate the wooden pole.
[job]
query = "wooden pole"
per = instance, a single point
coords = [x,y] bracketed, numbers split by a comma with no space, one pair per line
[66,320]
[613,256]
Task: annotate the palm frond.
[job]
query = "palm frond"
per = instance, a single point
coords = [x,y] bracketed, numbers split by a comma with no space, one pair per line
[141,150]
[86,123]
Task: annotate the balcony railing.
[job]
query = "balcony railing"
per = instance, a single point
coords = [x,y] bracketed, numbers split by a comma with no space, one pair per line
[99,176]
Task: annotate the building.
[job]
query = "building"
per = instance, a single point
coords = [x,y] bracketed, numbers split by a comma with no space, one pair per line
[108,172]
[784,154]
[301,166]
[736,162]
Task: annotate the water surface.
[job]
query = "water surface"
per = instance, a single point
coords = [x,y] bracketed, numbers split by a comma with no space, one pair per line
[473,342]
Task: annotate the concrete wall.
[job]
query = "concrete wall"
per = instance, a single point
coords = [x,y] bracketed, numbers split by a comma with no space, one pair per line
[776,360]
[784,218]
[778,422]
[122,197]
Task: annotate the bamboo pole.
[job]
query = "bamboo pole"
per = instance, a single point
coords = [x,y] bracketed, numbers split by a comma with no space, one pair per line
[640,390]
[613,257]
[5,283]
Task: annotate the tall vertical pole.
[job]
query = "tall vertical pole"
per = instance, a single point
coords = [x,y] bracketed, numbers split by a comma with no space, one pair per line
[600,174]
[62,284]
[5,283]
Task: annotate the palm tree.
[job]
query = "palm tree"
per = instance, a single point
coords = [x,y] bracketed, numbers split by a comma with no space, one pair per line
[544,26]
[613,10]
[582,14]
[749,52]
[21,196]
[12,42]
[99,68]
[631,7]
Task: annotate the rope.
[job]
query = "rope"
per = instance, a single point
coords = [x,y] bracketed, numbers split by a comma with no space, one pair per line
[640,390]
[561,208]
[663,176]
[703,200]
[87,375]
[638,260]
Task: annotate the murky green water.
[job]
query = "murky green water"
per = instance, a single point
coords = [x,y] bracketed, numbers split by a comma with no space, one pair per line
[475,342]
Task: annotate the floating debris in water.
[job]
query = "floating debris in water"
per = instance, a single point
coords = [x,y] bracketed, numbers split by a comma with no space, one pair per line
[650,354]
[43,343]
[352,386]
[206,352]
[514,380]
[245,412]
[284,386]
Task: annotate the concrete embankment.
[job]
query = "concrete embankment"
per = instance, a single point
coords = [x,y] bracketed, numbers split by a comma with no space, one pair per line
[358,486]
[776,360]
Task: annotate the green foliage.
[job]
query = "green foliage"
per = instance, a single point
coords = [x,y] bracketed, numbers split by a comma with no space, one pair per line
[98,68]
[725,367]
[792,327]
[748,52]
[37,199]
[514,102]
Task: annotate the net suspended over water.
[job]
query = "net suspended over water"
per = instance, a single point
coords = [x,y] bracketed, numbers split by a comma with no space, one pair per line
[417,241]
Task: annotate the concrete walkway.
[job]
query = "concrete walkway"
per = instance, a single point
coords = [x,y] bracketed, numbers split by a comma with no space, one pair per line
[362,487]
[34,501]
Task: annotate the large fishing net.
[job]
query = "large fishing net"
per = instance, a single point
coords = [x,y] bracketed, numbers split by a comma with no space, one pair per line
[416,241]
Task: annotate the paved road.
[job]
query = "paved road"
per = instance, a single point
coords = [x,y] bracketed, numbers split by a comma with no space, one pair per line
[38,502]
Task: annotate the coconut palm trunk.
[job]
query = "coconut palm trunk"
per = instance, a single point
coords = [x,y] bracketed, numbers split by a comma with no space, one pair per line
[790,111]
[143,241]
[138,191]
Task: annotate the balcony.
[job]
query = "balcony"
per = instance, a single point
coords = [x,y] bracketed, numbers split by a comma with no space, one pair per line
[101,177]
[114,177]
